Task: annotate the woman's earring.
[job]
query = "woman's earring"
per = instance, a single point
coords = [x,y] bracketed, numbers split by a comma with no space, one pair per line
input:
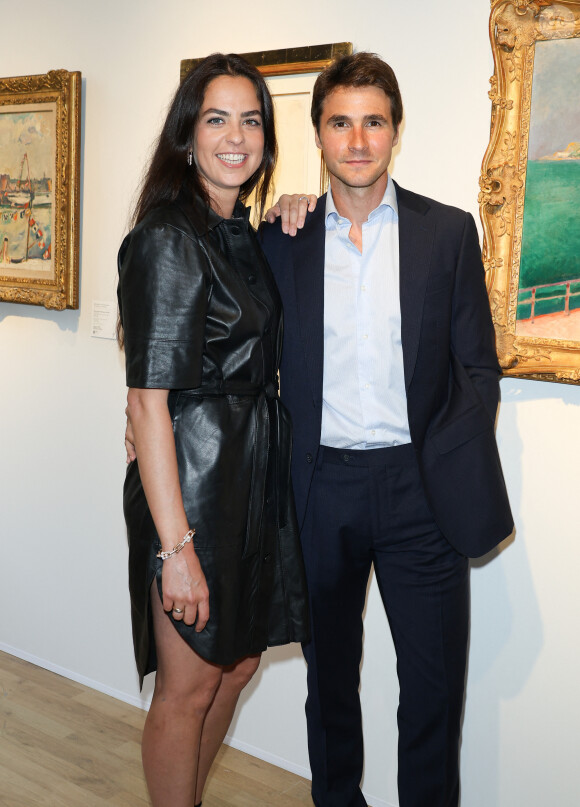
[190,157]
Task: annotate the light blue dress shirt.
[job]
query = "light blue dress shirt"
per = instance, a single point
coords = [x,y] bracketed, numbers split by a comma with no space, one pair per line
[364,401]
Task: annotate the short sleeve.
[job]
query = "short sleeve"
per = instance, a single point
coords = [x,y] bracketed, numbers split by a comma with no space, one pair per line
[162,292]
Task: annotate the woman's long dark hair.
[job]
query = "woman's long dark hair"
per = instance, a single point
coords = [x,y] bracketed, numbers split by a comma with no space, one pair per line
[169,171]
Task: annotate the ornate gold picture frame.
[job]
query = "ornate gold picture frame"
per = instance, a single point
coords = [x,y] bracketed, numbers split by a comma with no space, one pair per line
[530,188]
[40,189]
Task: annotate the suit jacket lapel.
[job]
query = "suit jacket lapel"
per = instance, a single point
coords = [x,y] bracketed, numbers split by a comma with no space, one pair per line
[308,259]
[416,234]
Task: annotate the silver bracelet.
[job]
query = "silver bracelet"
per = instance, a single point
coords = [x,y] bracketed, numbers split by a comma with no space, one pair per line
[178,547]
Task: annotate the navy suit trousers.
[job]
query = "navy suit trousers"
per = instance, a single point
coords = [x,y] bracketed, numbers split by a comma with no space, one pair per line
[368,508]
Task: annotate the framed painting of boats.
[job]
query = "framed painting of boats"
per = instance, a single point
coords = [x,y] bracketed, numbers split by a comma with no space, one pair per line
[530,188]
[40,189]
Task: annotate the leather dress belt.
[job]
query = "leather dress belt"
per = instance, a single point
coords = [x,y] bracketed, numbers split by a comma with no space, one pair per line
[272,423]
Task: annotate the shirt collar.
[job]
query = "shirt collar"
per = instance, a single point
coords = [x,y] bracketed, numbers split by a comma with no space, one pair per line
[204,218]
[389,200]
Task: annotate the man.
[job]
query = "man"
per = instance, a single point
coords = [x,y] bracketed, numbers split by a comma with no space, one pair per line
[390,373]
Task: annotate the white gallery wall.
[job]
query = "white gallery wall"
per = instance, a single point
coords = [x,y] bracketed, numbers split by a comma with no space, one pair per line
[63,596]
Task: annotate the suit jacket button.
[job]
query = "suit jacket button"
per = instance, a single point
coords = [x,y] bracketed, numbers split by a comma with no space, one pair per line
[251,279]
[309,457]
[267,558]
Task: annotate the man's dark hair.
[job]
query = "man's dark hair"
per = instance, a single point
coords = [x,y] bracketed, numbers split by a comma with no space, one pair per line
[357,70]
[169,171]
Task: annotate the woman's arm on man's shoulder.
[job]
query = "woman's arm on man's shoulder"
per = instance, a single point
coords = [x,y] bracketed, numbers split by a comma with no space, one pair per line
[292,210]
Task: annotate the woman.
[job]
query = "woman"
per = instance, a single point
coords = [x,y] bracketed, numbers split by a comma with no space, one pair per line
[215,570]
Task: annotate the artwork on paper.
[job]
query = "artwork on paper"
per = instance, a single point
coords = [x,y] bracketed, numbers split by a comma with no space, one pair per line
[27,162]
[549,276]
[302,166]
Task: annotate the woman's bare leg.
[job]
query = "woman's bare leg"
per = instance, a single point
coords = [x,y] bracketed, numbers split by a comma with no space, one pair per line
[220,713]
[185,687]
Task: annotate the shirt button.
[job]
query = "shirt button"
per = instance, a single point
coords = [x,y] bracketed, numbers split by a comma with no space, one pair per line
[373,432]
[309,458]
[365,336]
[367,386]
[363,288]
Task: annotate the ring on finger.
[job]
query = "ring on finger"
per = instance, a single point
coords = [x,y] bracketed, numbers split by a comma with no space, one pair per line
[177,610]
[300,198]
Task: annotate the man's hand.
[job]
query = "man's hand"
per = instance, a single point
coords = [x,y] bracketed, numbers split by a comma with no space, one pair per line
[129,439]
[292,209]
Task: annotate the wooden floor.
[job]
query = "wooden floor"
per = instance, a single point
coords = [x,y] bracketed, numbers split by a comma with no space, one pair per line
[64,745]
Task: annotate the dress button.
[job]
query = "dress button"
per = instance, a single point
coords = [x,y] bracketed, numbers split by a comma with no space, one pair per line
[309,458]
[251,279]
[235,230]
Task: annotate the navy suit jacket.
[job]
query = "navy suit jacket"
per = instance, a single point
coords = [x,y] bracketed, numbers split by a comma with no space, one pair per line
[450,363]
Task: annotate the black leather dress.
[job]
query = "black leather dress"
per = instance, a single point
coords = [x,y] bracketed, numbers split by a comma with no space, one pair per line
[202,317]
